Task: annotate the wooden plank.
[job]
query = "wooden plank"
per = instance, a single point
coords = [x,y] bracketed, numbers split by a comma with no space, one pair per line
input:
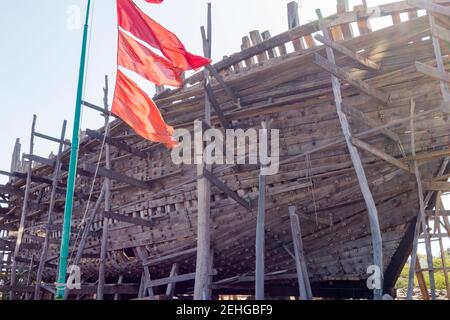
[349,53]
[363,22]
[430,6]
[219,184]
[436,186]
[246,44]
[12,191]
[300,262]
[175,279]
[380,154]
[103,172]
[113,142]
[343,75]
[343,7]
[168,257]
[127,219]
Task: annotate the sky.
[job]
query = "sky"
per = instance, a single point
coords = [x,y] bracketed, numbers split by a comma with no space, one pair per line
[40,52]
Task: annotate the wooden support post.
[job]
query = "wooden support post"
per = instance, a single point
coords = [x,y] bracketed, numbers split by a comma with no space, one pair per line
[357,164]
[260,234]
[438,54]
[271,52]
[16,165]
[119,281]
[293,22]
[246,43]
[437,225]
[300,262]
[422,206]
[346,29]
[260,230]
[86,230]
[170,291]
[148,288]
[364,23]
[24,213]
[29,275]
[107,183]
[421,281]
[45,246]
[204,192]
[256,38]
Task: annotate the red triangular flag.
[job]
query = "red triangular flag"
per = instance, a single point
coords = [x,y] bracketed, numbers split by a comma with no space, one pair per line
[138,110]
[140,59]
[132,19]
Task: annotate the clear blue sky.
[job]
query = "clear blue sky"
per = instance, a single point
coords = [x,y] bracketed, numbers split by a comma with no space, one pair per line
[40,55]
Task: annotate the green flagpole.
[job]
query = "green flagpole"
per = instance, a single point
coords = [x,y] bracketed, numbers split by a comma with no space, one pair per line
[65,239]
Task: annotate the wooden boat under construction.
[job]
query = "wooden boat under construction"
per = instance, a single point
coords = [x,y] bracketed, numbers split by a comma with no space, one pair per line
[153,216]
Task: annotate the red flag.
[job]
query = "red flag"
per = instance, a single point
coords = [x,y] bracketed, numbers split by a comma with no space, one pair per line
[139,111]
[132,19]
[140,59]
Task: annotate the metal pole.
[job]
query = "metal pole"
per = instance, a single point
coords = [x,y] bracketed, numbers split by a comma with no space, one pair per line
[65,239]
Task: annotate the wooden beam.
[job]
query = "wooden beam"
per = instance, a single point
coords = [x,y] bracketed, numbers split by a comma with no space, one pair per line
[432,72]
[345,76]
[380,154]
[440,32]
[219,184]
[222,119]
[127,219]
[355,113]
[168,257]
[103,172]
[119,145]
[349,53]
[12,191]
[430,6]
[97,108]
[231,93]
[175,279]
[436,186]
[46,137]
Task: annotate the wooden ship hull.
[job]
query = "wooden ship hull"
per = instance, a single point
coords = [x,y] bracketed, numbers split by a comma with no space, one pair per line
[153,220]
